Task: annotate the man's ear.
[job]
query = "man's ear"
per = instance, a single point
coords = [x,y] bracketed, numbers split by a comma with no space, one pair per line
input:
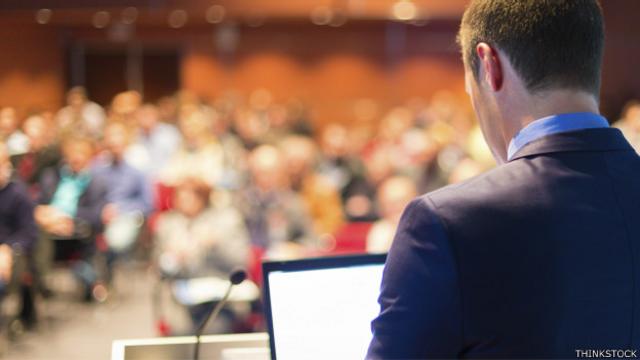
[491,66]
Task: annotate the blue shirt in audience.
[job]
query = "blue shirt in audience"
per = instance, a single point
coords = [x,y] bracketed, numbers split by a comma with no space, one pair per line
[127,187]
[69,190]
[158,147]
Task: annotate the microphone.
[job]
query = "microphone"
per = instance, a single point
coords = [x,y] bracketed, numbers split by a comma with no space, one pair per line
[236,277]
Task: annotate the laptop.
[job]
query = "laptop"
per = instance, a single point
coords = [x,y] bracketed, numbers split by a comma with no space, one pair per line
[322,308]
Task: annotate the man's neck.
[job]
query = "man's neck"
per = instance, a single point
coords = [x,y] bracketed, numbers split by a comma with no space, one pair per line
[547,104]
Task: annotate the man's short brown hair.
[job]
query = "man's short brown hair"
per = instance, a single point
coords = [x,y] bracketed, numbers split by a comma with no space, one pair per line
[552,44]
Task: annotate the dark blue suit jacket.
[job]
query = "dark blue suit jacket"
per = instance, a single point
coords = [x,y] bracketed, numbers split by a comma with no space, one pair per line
[537,258]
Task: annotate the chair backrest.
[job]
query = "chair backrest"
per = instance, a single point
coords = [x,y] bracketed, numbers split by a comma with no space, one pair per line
[163,197]
[351,238]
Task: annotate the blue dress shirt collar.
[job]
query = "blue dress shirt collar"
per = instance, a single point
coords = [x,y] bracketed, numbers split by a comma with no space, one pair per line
[554,124]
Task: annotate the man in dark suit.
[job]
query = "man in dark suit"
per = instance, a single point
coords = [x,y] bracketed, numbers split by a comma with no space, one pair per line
[540,257]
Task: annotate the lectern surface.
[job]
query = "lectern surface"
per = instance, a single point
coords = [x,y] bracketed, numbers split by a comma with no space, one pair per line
[254,346]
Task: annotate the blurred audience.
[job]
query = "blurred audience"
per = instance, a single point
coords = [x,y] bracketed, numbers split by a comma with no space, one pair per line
[629,124]
[200,156]
[155,143]
[337,163]
[321,199]
[124,106]
[129,197]
[16,141]
[393,195]
[359,194]
[465,170]
[18,231]
[42,154]
[197,238]
[71,205]
[18,237]
[250,126]
[274,213]
[81,114]
[221,184]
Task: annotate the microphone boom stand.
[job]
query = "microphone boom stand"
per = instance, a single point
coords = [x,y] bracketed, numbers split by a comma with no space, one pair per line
[236,278]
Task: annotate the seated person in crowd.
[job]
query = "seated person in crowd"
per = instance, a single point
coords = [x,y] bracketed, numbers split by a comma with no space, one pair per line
[337,164]
[274,214]
[359,194]
[18,235]
[81,114]
[155,143]
[42,154]
[16,141]
[278,122]
[124,106]
[235,154]
[393,195]
[419,152]
[196,239]
[199,240]
[201,155]
[129,197]
[250,127]
[71,206]
[18,231]
[320,197]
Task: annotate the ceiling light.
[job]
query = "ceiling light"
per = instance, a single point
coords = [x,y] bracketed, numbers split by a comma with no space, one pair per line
[178,18]
[338,19]
[101,19]
[321,15]
[404,10]
[129,15]
[43,16]
[215,14]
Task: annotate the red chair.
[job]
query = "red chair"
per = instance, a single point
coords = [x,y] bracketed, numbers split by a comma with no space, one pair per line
[163,197]
[351,238]
[254,267]
[163,201]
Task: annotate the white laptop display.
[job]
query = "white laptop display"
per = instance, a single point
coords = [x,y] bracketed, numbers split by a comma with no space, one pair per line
[322,308]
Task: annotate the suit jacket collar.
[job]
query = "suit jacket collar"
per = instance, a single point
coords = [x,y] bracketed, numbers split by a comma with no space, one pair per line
[602,139]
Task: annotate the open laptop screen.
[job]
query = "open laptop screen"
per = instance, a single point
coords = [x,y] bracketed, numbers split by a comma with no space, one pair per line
[322,308]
